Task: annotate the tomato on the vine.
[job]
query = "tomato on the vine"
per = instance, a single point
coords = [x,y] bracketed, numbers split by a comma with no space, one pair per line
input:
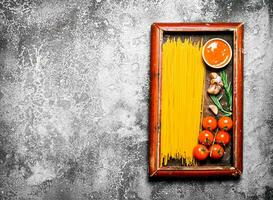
[209,123]
[200,152]
[225,123]
[222,137]
[205,137]
[216,151]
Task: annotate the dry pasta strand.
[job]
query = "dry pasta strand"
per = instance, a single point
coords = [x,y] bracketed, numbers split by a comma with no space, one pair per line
[183,73]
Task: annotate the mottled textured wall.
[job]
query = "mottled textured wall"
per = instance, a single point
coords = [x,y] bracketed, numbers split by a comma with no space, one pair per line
[74,99]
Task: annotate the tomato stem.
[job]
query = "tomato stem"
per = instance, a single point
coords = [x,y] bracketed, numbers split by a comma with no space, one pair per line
[216,131]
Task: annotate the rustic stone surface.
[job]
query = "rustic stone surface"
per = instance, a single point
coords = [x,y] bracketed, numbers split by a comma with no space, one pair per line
[74,99]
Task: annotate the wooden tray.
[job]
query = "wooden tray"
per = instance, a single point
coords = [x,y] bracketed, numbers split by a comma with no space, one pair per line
[231,164]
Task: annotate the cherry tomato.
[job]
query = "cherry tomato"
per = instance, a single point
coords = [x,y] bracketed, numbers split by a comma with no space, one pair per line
[225,123]
[205,137]
[216,151]
[209,123]
[200,152]
[222,137]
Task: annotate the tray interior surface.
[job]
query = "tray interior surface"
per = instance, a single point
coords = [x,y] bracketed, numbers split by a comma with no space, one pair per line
[227,159]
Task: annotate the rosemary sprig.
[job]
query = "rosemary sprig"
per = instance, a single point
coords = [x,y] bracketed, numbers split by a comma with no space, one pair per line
[216,101]
[228,89]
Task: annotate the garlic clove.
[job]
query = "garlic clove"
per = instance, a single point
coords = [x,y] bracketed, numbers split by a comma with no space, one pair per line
[211,89]
[214,109]
[213,75]
[217,89]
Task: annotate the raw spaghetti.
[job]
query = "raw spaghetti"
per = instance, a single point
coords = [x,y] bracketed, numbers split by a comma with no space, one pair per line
[183,73]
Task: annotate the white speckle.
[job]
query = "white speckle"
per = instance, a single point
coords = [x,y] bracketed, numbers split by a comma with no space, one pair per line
[42,130]
[40,174]
[256,30]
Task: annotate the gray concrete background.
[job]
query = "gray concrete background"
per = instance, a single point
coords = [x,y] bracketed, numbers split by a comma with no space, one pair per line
[74,99]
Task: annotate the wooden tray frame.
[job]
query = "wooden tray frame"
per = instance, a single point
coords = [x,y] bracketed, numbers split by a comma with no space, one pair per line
[155,170]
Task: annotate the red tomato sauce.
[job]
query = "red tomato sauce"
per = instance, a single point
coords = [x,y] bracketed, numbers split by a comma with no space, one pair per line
[217,53]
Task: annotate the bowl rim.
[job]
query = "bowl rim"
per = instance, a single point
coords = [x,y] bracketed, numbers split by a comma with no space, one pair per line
[223,65]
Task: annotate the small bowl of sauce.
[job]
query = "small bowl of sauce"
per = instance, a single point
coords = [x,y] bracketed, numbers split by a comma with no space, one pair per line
[217,53]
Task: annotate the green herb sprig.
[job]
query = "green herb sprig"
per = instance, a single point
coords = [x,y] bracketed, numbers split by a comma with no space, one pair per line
[228,89]
[216,101]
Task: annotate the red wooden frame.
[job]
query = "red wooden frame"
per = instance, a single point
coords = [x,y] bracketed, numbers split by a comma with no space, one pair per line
[154,116]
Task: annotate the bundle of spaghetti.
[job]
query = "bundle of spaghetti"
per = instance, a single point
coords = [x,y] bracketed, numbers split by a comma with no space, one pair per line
[183,73]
